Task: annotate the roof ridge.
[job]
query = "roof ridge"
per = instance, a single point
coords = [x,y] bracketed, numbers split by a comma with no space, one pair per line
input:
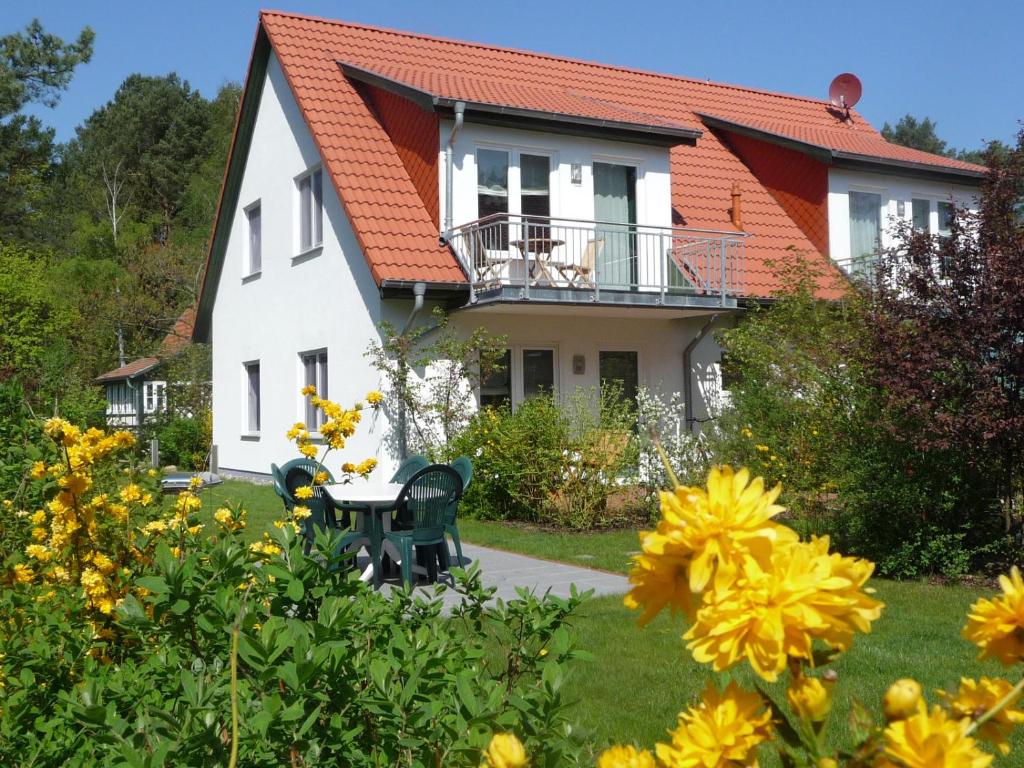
[549,56]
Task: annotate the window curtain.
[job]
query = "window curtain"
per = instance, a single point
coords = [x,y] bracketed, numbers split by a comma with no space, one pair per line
[865,226]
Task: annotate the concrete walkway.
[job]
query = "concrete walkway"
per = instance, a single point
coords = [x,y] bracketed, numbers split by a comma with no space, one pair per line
[506,570]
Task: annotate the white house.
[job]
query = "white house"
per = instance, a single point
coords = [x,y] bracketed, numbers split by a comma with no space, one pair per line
[607,220]
[137,391]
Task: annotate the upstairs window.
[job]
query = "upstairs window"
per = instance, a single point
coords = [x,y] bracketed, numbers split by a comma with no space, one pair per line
[311,210]
[946,211]
[255,240]
[492,196]
[535,186]
[921,214]
[865,227]
[314,373]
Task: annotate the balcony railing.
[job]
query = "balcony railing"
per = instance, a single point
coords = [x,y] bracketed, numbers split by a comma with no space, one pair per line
[573,260]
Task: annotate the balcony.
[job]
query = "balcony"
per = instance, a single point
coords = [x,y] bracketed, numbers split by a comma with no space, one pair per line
[555,260]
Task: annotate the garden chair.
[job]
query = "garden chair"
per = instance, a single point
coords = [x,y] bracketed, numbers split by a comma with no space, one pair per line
[278,477]
[464,467]
[427,496]
[582,275]
[409,467]
[297,473]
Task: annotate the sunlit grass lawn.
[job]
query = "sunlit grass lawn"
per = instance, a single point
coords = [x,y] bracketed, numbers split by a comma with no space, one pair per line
[638,679]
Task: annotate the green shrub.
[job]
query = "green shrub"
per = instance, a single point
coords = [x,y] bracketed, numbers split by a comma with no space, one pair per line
[804,413]
[142,641]
[184,442]
[568,462]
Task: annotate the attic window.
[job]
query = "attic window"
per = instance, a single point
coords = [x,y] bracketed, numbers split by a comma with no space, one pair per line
[311,210]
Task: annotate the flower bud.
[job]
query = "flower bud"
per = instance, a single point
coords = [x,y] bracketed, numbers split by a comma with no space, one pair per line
[810,698]
[828,762]
[902,699]
[505,751]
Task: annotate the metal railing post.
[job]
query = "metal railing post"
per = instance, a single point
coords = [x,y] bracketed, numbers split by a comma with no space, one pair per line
[721,274]
[663,266]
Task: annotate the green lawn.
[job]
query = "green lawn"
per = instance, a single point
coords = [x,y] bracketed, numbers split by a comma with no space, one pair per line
[639,679]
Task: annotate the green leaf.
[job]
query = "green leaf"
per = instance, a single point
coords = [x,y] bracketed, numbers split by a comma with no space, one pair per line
[154,584]
[295,590]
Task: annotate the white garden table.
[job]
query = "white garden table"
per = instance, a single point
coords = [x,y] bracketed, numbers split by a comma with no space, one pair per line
[373,503]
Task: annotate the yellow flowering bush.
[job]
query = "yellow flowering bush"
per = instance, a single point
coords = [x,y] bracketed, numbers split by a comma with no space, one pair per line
[755,594]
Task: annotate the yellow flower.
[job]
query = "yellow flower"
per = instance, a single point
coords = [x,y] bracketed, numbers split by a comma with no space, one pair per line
[39,534]
[659,579]
[304,492]
[309,450]
[130,493]
[732,517]
[723,731]
[38,517]
[227,519]
[902,699]
[22,574]
[301,512]
[625,757]
[375,398]
[308,390]
[933,741]
[265,548]
[775,610]
[321,477]
[810,698]
[504,751]
[703,536]
[152,472]
[39,552]
[762,448]
[38,470]
[975,698]
[997,626]
[155,526]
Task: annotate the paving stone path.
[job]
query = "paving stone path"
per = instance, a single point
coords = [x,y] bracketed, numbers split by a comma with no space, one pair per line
[508,570]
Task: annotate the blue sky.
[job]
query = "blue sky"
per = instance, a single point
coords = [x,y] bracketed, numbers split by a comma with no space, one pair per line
[955,62]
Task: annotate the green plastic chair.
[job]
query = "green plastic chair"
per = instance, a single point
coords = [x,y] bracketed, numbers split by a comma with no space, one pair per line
[409,467]
[464,467]
[427,496]
[297,473]
[278,477]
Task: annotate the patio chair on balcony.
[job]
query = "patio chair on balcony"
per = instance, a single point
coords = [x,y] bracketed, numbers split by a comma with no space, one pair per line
[488,268]
[583,275]
[427,496]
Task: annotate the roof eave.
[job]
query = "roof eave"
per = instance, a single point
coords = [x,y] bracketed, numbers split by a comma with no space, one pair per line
[241,139]
[850,160]
[499,114]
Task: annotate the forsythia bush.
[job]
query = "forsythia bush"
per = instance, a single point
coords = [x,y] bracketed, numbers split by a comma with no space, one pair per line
[755,594]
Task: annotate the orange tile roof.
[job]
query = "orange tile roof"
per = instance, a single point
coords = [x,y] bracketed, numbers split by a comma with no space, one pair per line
[394,225]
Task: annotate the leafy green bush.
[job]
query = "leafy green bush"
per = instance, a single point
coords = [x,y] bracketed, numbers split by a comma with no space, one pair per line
[568,462]
[804,413]
[144,643]
[185,442]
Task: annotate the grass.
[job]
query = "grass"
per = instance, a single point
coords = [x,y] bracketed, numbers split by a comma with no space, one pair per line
[638,680]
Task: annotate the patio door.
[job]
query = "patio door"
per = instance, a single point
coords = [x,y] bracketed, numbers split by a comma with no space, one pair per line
[615,202]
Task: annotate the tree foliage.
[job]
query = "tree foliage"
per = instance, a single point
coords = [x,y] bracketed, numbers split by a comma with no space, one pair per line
[948,347]
[34,67]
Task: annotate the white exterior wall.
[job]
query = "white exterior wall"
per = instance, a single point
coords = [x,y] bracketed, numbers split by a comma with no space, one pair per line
[658,341]
[325,299]
[653,180]
[893,190]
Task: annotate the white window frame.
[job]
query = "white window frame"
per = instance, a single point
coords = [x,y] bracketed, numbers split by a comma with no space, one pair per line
[247,267]
[517,392]
[515,188]
[247,426]
[314,245]
[155,397]
[885,216]
[640,379]
[322,362]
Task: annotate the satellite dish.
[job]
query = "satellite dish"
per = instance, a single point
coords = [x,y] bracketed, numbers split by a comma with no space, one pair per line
[844,91]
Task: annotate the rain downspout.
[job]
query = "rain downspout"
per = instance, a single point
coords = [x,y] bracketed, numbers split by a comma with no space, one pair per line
[419,290]
[449,166]
[687,374]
